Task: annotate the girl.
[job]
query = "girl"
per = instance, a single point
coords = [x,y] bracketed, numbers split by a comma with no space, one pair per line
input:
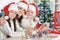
[29,23]
[10,25]
[22,8]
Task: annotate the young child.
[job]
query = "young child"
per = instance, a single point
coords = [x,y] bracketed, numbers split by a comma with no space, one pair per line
[32,15]
[30,22]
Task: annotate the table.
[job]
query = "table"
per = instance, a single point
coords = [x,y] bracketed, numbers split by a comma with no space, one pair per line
[44,37]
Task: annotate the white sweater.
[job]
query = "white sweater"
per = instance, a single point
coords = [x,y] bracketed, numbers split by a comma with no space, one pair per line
[7,30]
[28,23]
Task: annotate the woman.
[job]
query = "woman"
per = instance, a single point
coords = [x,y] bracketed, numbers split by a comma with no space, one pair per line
[30,22]
[22,8]
[10,25]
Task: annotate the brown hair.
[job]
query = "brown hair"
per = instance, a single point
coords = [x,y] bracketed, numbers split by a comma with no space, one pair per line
[14,21]
[19,18]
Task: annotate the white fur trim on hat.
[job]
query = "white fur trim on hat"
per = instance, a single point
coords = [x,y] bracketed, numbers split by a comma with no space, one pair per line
[13,7]
[31,7]
[23,5]
[6,17]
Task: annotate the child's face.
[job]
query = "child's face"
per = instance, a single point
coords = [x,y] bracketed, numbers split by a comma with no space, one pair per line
[12,14]
[30,14]
[21,11]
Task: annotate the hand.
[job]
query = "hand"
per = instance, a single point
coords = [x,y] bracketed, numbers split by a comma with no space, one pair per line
[39,29]
[29,31]
[2,21]
[44,29]
[45,26]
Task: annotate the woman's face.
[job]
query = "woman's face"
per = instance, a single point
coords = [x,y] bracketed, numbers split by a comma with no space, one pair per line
[12,14]
[21,11]
[30,13]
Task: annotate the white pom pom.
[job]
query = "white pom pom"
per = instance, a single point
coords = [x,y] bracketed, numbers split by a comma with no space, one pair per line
[6,17]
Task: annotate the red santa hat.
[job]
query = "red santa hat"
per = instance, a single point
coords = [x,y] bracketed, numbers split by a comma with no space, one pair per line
[23,4]
[13,7]
[7,7]
[34,8]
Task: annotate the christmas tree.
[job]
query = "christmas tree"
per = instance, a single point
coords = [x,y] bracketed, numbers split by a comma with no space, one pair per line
[45,14]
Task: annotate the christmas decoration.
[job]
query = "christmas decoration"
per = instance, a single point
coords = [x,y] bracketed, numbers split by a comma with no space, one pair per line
[45,14]
[57,20]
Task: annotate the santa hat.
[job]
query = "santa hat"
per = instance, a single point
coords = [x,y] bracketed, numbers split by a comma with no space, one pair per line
[34,8]
[23,4]
[6,8]
[13,7]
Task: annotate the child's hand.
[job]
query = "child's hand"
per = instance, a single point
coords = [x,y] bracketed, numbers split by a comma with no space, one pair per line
[28,32]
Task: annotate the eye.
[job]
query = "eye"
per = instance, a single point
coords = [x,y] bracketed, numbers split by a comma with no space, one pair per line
[24,10]
[28,11]
[19,7]
[31,12]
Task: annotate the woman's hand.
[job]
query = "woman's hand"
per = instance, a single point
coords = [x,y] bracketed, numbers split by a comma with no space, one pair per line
[2,21]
